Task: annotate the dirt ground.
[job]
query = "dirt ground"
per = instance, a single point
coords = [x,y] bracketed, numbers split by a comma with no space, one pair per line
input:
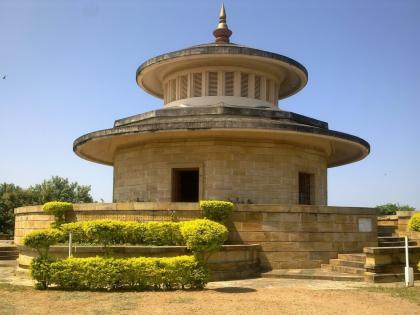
[262,298]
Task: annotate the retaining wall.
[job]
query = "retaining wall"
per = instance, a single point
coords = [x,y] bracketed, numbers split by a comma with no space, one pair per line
[290,236]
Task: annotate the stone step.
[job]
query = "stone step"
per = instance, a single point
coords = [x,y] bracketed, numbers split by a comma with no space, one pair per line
[2,242]
[8,263]
[347,263]
[388,277]
[360,257]
[326,267]
[14,257]
[314,274]
[396,243]
[8,248]
[390,239]
[350,270]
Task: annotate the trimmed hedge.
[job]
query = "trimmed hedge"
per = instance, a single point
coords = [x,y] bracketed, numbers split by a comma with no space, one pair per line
[414,222]
[58,209]
[216,210]
[43,239]
[197,235]
[140,273]
[204,235]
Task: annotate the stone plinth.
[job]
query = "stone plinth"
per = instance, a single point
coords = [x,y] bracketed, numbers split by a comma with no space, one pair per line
[290,236]
[386,264]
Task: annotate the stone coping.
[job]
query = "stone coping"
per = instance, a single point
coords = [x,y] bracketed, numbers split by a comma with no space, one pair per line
[184,206]
[223,109]
[137,248]
[388,217]
[390,250]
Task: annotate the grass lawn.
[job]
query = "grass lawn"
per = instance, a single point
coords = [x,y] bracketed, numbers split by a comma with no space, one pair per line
[411,294]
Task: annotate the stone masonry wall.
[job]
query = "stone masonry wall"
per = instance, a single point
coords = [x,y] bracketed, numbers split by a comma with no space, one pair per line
[290,236]
[261,172]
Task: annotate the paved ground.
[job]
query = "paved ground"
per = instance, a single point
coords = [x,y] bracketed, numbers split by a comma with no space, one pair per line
[253,296]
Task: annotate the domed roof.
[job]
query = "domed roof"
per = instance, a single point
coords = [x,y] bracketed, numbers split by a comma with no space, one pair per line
[292,75]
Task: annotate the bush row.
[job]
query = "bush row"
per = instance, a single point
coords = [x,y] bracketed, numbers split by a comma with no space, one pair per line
[142,273]
[198,235]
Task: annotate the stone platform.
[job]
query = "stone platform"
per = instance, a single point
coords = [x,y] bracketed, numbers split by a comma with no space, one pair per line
[290,236]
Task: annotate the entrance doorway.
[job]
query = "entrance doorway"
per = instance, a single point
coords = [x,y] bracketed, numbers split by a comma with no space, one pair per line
[185,184]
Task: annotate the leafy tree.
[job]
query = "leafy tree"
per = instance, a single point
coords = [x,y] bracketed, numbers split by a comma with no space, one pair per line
[11,196]
[392,208]
[59,189]
[54,189]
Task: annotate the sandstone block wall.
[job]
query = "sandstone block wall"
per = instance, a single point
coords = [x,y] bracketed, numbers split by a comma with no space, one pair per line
[261,172]
[302,236]
[292,236]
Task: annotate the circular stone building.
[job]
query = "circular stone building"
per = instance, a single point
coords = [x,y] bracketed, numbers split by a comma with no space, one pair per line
[221,133]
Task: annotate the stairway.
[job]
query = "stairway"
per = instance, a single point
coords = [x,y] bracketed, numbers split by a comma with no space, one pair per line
[353,264]
[8,254]
[312,274]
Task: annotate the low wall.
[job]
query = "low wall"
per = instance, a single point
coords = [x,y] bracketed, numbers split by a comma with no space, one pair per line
[388,225]
[386,264]
[230,262]
[290,236]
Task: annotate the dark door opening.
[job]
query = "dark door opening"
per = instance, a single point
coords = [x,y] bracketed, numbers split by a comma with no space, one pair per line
[305,188]
[185,185]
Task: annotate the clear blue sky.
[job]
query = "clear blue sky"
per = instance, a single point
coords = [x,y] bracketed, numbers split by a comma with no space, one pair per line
[70,69]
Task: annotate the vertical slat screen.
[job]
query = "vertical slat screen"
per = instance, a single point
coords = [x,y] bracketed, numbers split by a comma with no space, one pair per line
[257,87]
[212,83]
[244,84]
[197,82]
[229,83]
[184,87]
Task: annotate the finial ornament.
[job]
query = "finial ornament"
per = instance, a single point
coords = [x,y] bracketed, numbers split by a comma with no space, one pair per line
[222,32]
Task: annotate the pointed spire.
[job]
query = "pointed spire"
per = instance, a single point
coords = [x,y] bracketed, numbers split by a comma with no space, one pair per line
[222,32]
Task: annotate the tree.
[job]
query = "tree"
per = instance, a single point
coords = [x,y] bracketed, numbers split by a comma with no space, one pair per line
[392,208]
[59,189]
[11,196]
[54,189]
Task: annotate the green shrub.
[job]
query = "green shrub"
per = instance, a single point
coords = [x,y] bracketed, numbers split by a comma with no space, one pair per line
[203,235]
[109,232]
[40,271]
[105,232]
[216,210]
[58,209]
[134,233]
[43,239]
[414,222]
[78,230]
[96,273]
[392,208]
[163,234]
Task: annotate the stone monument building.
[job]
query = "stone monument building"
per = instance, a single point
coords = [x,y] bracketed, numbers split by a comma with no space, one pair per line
[221,133]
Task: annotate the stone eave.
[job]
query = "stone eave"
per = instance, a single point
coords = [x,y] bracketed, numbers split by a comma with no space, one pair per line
[343,148]
[233,51]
